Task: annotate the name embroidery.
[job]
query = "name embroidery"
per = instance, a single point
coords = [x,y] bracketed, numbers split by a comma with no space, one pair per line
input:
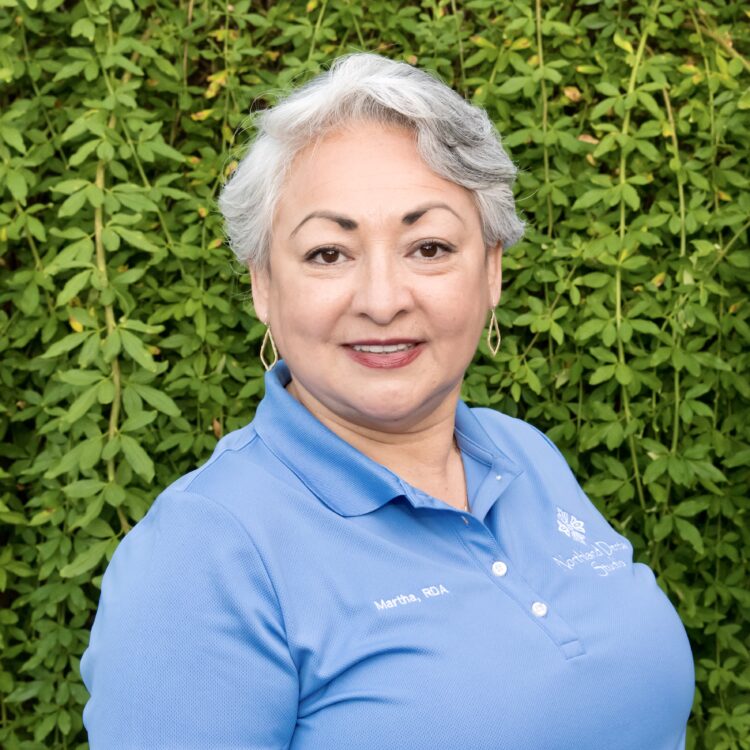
[401,599]
[600,555]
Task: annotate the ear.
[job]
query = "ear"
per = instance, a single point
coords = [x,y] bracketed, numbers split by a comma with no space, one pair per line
[494,263]
[260,280]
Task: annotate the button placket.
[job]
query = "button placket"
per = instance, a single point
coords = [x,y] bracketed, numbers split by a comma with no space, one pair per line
[517,589]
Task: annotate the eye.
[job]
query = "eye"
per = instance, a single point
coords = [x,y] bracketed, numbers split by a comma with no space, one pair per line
[325,256]
[433,249]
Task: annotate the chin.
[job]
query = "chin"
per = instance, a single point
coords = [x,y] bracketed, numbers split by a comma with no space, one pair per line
[384,410]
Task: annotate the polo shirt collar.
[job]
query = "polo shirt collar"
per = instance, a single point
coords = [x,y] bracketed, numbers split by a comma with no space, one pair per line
[343,478]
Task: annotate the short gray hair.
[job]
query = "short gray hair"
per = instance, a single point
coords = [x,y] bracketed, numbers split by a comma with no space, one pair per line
[456,139]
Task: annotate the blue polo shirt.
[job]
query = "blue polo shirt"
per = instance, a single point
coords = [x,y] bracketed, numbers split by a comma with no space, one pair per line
[293,593]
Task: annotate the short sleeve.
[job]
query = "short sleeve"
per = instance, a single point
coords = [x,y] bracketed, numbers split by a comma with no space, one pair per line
[188,648]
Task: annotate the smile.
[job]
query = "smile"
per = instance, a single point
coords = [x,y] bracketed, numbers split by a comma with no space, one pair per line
[382,349]
[385,356]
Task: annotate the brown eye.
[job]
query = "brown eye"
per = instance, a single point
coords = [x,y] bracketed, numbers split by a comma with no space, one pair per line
[432,249]
[325,256]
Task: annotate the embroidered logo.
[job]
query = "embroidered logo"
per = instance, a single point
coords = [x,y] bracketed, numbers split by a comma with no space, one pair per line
[571,526]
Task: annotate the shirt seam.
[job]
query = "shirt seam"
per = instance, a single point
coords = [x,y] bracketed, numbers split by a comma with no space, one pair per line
[217,454]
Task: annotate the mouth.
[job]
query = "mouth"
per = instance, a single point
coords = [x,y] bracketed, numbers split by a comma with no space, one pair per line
[385,354]
[383,348]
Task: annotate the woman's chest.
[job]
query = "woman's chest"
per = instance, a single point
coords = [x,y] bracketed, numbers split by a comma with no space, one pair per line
[452,635]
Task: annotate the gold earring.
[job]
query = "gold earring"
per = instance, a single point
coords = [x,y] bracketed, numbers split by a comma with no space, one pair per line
[268,338]
[493,330]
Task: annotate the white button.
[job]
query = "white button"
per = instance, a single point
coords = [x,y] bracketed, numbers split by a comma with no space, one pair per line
[499,568]
[539,609]
[498,477]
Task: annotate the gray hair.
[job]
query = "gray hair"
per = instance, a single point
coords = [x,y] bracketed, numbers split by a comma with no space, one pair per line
[456,139]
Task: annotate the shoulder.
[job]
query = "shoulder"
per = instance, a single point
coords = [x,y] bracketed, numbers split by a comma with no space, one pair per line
[242,477]
[520,440]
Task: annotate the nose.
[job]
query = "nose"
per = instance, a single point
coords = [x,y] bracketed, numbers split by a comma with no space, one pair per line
[382,291]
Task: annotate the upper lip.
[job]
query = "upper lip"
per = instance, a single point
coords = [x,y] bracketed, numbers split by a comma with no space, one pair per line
[381,342]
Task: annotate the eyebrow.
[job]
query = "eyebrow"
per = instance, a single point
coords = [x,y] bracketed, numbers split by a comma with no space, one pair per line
[350,225]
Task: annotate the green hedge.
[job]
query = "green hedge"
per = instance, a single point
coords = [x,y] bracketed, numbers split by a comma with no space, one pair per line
[126,331]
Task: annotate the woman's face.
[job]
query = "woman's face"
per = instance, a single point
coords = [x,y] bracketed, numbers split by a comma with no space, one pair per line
[379,284]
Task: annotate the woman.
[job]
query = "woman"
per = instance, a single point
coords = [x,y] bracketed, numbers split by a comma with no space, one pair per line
[370,563]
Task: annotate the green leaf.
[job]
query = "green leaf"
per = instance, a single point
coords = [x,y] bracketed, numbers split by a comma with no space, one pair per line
[12,137]
[66,344]
[589,199]
[83,488]
[137,458]
[86,560]
[72,287]
[81,405]
[589,328]
[602,374]
[83,27]
[512,86]
[17,186]
[158,399]
[690,534]
[135,348]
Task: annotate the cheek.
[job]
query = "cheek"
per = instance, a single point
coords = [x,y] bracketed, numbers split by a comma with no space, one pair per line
[305,310]
[460,309]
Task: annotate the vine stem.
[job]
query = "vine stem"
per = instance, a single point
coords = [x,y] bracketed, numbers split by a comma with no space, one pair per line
[454,10]
[109,317]
[723,43]
[711,108]
[545,114]
[680,181]
[618,272]
[109,312]
[316,30]
[683,251]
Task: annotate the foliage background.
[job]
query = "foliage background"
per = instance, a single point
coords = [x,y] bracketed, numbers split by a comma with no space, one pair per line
[127,337]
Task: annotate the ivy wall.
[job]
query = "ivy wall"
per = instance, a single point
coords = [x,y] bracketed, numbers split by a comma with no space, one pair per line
[128,340]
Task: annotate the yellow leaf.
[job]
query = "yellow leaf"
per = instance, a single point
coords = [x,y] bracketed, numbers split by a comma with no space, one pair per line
[659,279]
[202,115]
[75,325]
[311,6]
[522,43]
[217,80]
[623,43]
[724,196]
[480,41]
[572,93]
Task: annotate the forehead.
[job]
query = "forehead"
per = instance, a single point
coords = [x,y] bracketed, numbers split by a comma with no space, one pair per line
[366,169]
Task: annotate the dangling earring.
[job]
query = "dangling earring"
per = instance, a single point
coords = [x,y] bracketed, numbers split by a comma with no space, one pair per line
[268,338]
[493,331]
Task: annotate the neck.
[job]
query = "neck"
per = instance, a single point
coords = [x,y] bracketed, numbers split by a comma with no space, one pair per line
[424,455]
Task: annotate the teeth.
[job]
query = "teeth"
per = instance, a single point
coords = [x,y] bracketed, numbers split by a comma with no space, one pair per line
[378,349]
